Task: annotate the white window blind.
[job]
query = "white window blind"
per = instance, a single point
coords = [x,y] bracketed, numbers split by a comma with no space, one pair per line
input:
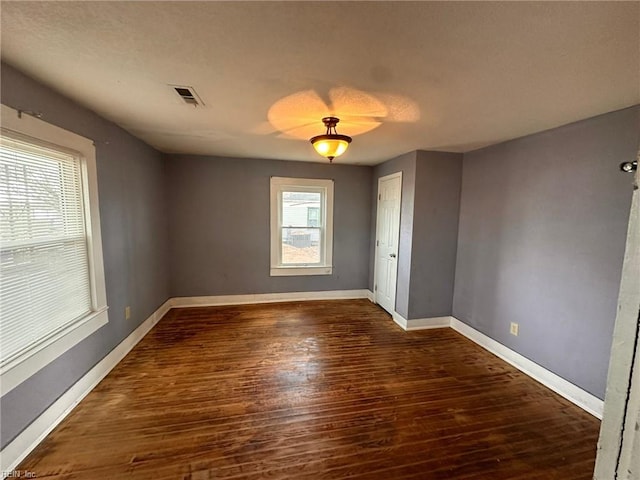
[44,265]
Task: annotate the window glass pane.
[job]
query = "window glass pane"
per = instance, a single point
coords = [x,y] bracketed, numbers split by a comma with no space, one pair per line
[313,216]
[296,207]
[300,246]
[40,195]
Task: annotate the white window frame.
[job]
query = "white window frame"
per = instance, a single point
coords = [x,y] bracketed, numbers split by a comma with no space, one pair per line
[325,188]
[33,359]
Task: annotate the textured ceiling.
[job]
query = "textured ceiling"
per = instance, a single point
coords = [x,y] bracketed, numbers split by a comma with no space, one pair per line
[402,76]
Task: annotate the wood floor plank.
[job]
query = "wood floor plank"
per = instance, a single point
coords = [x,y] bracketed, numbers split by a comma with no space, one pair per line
[315,390]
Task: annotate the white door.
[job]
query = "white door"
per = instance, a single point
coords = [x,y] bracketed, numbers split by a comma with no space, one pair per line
[387,235]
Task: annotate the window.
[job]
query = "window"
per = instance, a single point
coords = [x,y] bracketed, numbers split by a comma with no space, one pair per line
[313,216]
[52,292]
[301,226]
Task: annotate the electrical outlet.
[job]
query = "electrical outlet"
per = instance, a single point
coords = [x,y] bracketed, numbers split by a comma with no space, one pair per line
[127,313]
[514,329]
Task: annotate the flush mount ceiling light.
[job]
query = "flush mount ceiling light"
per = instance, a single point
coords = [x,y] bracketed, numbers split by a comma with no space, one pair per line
[330,144]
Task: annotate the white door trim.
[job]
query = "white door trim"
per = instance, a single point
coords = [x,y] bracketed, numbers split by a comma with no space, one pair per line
[619,441]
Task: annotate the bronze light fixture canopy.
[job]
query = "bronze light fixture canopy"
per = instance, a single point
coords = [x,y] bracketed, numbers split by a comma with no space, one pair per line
[331,144]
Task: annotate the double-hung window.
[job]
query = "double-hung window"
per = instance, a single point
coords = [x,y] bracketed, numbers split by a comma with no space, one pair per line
[301,226]
[52,292]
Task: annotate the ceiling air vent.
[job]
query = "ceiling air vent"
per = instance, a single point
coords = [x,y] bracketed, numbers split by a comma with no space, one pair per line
[188,95]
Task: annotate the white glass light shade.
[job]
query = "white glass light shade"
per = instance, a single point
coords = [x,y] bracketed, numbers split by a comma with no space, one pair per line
[331,146]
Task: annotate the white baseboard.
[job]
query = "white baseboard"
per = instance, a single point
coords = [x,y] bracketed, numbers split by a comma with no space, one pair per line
[30,437]
[421,323]
[425,323]
[218,300]
[568,390]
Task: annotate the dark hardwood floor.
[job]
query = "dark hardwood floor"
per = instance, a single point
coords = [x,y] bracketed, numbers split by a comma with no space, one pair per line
[315,390]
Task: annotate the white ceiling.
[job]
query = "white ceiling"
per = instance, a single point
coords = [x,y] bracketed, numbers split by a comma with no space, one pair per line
[451,76]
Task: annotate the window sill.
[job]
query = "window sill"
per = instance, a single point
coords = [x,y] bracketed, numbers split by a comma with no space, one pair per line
[21,368]
[300,271]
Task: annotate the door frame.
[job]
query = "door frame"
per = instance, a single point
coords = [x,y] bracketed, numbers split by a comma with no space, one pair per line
[375,239]
[619,440]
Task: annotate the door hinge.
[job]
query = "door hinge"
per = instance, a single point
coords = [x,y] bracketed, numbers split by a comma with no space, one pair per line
[377,243]
[375,288]
[379,196]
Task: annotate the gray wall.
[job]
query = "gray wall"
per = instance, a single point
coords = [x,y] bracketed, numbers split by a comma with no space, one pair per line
[134,236]
[435,233]
[219,225]
[541,240]
[428,231]
[407,165]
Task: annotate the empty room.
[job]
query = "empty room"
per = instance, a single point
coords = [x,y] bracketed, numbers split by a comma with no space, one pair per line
[320,240]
